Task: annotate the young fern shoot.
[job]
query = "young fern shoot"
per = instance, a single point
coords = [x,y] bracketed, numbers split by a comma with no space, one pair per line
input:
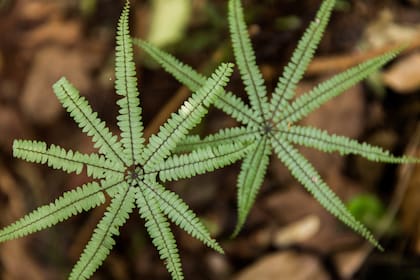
[126,169]
[271,124]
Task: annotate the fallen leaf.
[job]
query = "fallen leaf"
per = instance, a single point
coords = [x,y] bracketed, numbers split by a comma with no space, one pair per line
[284,265]
[404,75]
[385,30]
[298,231]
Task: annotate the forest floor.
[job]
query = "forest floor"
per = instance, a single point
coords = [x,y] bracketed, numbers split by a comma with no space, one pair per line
[288,234]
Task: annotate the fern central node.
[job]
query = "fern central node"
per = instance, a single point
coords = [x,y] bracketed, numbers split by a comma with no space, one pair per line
[134,173]
[267,128]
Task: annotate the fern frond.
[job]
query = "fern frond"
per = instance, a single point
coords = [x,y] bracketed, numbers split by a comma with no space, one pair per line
[160,232]
[129,118]
[190,113]
[227,102]
[245,59]
[182,72]
[237,109]
[250,178]
[66,160]
[223,137]
[321,140]
[201,161]
[54,156]
[88,121]
[102,240]
[334,86]
[69,204]
[306,174]
[294,70]
[180,214]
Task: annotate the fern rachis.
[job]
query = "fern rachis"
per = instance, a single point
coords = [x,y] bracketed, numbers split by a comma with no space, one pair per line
[272,124]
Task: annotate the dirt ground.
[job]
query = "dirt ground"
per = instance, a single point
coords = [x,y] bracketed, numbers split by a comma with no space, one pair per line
[288,234]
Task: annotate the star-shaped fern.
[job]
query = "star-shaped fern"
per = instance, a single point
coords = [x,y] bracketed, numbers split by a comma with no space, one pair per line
[271,125]
[127,169]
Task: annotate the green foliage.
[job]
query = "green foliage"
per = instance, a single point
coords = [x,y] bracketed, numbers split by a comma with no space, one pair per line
[127,170]
[368,209]
[271,124]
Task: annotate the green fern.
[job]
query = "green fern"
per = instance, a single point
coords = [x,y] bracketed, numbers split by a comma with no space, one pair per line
[271,124]
[128,170]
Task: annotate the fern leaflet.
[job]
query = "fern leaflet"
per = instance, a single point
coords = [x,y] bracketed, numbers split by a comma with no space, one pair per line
[245,58]
[187,117]
[301,57]
[70,203]
[250,178]
[162,237]
[325,91]
[129,119]
[101,241]
[87,119]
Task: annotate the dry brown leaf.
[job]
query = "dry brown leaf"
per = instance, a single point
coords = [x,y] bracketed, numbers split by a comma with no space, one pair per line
[404,76]
[298,231]
[384,31]
[284,265]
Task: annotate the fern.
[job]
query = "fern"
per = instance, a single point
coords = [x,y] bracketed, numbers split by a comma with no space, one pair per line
[128,170]
[271,124]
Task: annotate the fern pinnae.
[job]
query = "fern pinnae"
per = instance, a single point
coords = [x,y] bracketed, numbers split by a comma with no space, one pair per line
[87,119]
[334,86]
[67,160]
[69,203]
[305,173]
[202,160]
[54,156]
[245,59]
[237,109]
[101,241]
[223,137]
[294,70]
[162,237]
[129,118]
[180,214]
[321,140]
[182,72]
[97,166]
[178,125]
[250,178]
[227,102]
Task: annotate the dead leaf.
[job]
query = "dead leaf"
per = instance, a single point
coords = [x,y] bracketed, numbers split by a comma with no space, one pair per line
[404,75]
[384,31]
[298,231]
[284,265]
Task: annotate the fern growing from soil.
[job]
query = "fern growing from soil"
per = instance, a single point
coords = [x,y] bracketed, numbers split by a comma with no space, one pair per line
[126,169]
[271,125]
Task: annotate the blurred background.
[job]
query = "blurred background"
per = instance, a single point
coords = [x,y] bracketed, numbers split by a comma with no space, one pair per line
[288,234]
